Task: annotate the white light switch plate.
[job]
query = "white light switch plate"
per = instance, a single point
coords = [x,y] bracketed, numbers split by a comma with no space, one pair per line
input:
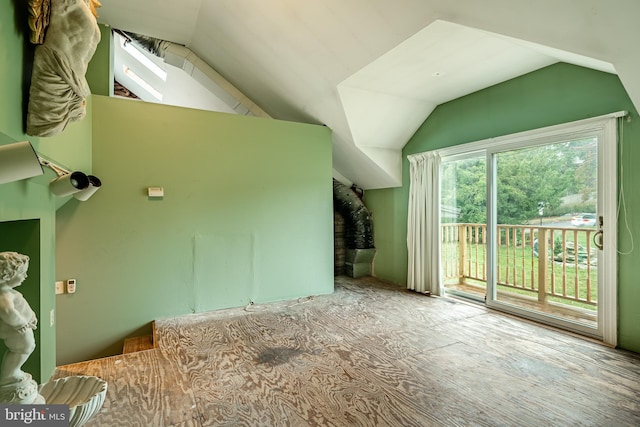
[59,287]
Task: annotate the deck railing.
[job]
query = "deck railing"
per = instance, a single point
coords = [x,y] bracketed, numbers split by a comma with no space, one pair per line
[567,272]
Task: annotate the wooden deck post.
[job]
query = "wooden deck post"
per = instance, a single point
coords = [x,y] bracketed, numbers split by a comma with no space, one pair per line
[462,242]
[542,265]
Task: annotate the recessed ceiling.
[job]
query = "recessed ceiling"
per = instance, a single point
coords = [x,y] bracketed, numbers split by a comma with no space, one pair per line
[373,70]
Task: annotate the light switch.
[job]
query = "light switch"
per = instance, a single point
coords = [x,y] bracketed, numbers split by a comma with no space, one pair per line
[59,287]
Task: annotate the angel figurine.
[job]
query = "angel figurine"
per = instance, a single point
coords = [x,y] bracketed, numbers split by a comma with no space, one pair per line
[17,319]
[17,323]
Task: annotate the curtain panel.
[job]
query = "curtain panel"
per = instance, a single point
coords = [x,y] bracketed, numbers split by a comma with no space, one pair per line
[423,223]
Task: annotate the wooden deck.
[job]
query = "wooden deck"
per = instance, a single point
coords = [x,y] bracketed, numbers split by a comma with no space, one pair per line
[368,355]
[563,311]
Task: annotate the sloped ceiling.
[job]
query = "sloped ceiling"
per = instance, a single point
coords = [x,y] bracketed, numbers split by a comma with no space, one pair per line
[373,70]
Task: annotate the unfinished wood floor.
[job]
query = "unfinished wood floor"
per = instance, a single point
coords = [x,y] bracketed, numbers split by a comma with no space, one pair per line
[368,355]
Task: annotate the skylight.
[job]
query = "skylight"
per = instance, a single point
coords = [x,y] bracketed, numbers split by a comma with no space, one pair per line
[140,81]
[150,65]
[184,81]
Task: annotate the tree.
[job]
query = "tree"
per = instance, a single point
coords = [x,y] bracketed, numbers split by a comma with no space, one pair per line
[525,178]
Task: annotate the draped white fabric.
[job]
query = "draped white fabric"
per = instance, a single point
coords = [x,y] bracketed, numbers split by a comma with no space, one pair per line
[423,226]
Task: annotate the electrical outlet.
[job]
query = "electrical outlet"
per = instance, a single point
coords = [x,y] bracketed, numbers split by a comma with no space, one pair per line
[52,317]
[59,287]
[71,286]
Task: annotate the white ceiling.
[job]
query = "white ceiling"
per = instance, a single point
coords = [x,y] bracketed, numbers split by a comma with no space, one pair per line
[373,70]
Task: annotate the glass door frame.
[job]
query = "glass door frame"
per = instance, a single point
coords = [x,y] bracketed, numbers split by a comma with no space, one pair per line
[605,131]
[605,127]
[471,154]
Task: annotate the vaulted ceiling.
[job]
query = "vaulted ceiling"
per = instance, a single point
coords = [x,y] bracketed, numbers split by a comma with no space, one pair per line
[373,70]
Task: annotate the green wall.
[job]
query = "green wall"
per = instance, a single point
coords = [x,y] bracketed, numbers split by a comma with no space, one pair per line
[247,216]
[27,206]
[556,94]
[100,69]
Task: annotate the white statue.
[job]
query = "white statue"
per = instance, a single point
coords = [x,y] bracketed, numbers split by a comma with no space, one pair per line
[58,85]
[84,394]
[17,322]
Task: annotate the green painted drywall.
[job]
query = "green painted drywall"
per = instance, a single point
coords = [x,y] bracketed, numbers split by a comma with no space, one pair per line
[14,74]
[26,199]
[100,70]
[30,199]
[247,216]
[32,202]
[556,94]
[71,148]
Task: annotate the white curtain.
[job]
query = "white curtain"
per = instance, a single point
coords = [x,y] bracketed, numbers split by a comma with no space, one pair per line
[423,226]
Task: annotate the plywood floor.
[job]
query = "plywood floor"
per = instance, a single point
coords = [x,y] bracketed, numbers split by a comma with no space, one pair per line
[368,355]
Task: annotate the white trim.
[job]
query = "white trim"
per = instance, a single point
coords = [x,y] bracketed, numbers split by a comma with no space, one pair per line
[492,226]
[608,295]
[605,127]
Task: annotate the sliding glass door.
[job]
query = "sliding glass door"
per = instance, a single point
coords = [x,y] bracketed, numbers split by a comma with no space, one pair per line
[463,225]
[546,264]
[528,224]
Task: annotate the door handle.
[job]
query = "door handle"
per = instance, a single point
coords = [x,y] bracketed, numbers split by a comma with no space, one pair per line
[598,239]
